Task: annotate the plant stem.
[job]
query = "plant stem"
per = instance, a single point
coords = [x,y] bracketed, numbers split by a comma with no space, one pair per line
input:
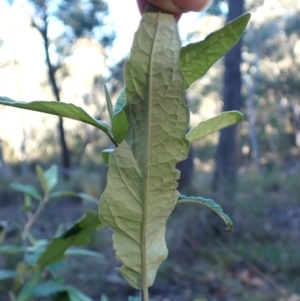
[144,295]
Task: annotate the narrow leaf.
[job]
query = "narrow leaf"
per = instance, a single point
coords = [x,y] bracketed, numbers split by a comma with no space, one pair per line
[48,288]
[62,109]
[210,204]
[76,295]
[42,179]
[10,249]
[141,189]
[27,290]
[27,189]
[108,103]
[75,194]
[214,124]
[119,123]
[197,58]
[77,235]
[8,274]
[83,252]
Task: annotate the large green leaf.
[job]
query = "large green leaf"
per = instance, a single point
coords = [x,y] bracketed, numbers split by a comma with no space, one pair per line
[141,189]
[210,204]
[214,124]
[62,109]
[77,235]
[197,58]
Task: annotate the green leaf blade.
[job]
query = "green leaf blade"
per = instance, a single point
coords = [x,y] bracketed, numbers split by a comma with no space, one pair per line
[108,103]
[8,274]
[141,189]
[210,204]
[77,235]
[119,122]
[41,177]
[106,154]
[197,58]
[81,195]
[51,177]
[62,109]
[27,189]
[214,124]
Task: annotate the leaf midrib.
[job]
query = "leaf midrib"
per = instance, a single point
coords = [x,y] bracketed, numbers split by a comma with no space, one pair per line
[145,207]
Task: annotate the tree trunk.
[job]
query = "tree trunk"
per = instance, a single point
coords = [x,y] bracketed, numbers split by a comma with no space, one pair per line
[226,164]
[65,154]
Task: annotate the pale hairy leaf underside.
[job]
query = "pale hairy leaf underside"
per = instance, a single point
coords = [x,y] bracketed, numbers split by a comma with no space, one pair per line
[141,189]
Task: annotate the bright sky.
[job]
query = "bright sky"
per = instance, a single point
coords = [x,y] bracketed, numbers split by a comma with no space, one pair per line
[125,16]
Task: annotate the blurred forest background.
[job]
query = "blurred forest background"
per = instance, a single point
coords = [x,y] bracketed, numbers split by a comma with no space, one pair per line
[60,50]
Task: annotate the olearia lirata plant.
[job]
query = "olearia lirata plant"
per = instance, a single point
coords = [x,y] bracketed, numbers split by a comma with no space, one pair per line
[149,124]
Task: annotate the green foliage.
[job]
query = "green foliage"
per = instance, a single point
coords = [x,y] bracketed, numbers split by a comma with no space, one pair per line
[210,204]
[197,58]
[148,128]
[119,122]
[27,190]
[7,274]
[77,235]
[66,110]
[214,124]
[40,256]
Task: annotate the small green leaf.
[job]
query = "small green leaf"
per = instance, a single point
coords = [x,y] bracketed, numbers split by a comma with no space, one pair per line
[10,249]
[3,229]
[62,109]
[105,155]
[76,295]
[27,203]
[41,176]
[108,103]
[119,122]
[214,124]
[33,253]
[27,290]
[48,288]
[8,274]
[210,204]
[27,189]
[51,176]
[83,252]
[75,194]
[197,58]
[77,235]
